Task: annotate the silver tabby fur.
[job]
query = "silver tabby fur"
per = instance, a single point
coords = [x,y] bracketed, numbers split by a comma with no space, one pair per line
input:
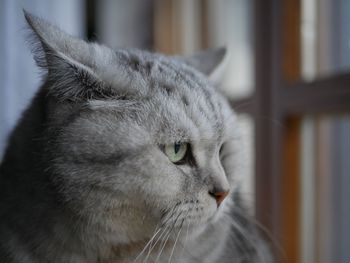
[84,178]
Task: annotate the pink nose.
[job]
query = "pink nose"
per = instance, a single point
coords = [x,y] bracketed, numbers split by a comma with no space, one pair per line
[219,196]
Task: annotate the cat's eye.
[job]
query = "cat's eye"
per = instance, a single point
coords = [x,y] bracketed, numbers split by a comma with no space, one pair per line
[176,152]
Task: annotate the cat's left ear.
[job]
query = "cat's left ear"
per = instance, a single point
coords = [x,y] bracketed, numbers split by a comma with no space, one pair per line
[211,62]
[69,62]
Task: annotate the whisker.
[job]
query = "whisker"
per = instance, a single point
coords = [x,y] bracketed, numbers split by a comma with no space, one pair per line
[177,238]
[252,241]
[153,245]
[164,233]
[243,233]
[170,214]
[163,245]
[167,219]
[148,244]
[167,238]
[263,230]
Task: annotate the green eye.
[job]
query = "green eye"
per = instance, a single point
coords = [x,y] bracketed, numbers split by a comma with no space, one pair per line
[176,151]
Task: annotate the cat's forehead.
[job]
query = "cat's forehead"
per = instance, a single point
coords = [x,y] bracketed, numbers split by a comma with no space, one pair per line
[176,100]
[140,72]
[143,74]
[160,66]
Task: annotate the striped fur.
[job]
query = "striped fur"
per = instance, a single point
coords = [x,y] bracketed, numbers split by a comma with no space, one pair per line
[84,177]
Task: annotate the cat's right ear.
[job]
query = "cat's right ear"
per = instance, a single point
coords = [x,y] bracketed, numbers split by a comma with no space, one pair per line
[211,62]
[66,59]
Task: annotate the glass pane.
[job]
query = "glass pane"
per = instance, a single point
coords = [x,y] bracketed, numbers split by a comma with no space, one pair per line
[325,41]
[325,182]
[125,23]
[230,25]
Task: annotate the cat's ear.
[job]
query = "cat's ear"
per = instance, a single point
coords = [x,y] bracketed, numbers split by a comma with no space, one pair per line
[211,62]
[66,59]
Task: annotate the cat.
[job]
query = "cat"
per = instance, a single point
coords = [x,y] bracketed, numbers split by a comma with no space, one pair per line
[124,156]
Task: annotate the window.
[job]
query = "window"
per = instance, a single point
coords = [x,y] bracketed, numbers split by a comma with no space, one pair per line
[302,82]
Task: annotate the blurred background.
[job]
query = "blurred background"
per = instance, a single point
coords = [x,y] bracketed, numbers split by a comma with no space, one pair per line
[288,78]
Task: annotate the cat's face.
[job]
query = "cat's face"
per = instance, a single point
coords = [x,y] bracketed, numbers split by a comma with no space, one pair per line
[138,141]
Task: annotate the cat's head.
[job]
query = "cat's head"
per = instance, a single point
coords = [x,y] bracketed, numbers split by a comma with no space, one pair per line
[136,140]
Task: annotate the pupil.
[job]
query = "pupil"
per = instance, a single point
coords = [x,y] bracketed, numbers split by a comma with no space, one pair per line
[177,147]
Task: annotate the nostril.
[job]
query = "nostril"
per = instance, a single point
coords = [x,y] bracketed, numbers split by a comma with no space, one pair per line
[219,196]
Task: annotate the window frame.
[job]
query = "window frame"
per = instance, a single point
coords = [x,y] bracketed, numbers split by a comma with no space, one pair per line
[279,102]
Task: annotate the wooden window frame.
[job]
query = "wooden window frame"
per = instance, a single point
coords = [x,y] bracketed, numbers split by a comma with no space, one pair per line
[277,106]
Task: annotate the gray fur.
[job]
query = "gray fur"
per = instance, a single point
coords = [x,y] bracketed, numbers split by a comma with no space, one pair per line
[84,178]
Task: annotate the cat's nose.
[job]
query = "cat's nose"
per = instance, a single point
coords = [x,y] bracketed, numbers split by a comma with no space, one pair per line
[219,195]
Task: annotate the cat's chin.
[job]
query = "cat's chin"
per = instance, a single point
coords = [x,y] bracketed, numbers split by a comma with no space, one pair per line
[182,234]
